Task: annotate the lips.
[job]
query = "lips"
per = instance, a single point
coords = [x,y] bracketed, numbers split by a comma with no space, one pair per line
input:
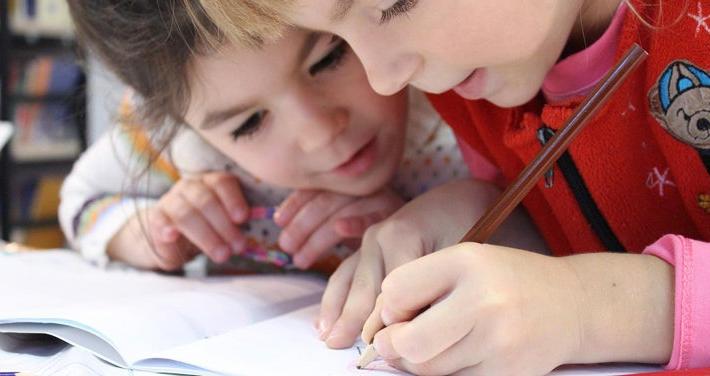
[360,162]
[473,86]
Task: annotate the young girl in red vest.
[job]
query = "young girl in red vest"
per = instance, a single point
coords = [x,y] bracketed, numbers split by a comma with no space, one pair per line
[628,205]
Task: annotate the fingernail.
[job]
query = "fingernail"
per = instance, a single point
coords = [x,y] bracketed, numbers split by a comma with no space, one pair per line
[332,333]
[386,316]
[322,328]
[286,242]
[301,262]
[222,253]
[238,246]
[167,233]
[238,215]
[335,338]
[277,216]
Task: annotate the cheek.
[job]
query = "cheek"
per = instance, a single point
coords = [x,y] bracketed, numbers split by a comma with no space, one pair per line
[267,159]
[271,164]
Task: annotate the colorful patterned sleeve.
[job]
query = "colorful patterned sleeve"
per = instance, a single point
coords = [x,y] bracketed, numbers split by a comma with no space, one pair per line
[107,185]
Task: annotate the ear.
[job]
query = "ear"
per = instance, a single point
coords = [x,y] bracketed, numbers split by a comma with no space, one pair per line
[654,105]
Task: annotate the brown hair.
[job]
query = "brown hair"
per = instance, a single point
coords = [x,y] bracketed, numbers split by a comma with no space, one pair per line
[148,44]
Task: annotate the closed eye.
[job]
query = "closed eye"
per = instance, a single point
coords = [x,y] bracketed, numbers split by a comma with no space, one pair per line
[332,60]
[250,126]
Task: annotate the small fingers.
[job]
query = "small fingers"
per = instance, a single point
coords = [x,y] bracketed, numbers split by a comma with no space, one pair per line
[415,285]
[465,357]
[227,188]
[208,204]
[173,256]
[443,325]
[195,227]
[292,205]
[310,216]
[319,243]
[360,301]
[167,249]
[335,294]
[374,323]
[355,226]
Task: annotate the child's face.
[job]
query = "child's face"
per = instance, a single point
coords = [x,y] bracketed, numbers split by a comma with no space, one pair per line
[299,113]
[499,50]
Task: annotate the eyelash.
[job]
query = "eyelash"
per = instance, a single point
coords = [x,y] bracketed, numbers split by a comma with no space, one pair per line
[401,7]
[330,61]
[250,126]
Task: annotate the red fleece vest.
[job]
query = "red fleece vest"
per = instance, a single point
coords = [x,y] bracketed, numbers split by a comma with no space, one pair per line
[641,167]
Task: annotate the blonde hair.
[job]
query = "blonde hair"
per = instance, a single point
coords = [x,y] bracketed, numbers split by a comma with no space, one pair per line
[252,22]
[242,22]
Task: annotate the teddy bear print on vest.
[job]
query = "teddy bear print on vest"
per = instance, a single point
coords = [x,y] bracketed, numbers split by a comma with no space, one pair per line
[680,101]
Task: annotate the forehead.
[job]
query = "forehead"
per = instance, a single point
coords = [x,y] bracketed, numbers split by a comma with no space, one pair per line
[320,14]
[241,71]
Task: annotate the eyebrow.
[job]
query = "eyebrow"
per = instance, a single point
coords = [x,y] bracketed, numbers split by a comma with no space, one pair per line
[215,118]
[341,9]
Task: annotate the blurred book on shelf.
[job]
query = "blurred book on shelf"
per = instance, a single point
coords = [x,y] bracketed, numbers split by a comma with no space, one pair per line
[40,18]
[44,131]
[36,207]
[44,111]
[44,75]
[43,93]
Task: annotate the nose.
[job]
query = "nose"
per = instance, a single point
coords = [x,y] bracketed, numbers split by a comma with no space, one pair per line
[320,125]
[703,125]
[389,69]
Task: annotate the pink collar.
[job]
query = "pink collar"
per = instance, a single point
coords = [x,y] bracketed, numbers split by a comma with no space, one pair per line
[577,74]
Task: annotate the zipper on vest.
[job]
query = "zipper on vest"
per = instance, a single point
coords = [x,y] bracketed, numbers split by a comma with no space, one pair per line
[584,199]
[705,157]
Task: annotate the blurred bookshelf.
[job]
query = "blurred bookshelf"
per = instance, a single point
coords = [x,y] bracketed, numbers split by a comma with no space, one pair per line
[42,94]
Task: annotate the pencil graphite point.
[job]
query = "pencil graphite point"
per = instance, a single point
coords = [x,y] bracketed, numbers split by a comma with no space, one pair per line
[367,357]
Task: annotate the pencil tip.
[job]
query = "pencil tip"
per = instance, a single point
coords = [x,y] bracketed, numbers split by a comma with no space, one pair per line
[358,367]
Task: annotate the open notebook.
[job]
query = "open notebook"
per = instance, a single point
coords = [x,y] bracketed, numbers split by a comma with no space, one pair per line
[246,325]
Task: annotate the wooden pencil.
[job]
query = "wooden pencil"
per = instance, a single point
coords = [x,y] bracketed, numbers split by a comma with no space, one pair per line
[515,192]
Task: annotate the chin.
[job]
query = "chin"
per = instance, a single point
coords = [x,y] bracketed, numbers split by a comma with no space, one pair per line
[367,185]
[513,97]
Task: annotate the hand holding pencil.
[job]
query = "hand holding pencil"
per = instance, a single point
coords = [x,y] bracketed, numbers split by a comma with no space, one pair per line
[467,321]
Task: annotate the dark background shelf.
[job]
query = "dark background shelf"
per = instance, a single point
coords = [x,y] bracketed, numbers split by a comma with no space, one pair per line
[18,48]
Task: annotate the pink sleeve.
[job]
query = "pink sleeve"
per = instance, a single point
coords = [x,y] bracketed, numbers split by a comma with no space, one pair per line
[479,166]
[691,258]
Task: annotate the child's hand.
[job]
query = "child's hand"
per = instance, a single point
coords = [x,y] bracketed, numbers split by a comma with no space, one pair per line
[206,211]
[197,214]
[431,221]
[314,222]
[132,244]
[488,310]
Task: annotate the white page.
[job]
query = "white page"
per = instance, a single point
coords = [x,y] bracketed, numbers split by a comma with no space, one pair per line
[286,345]
[141,313]
[283,345]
